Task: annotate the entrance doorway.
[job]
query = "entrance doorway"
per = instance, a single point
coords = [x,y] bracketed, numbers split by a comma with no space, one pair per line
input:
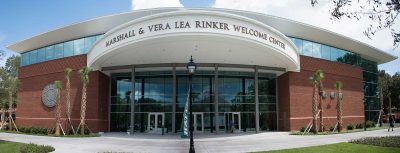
[156,122]
[198,122]
[232,122]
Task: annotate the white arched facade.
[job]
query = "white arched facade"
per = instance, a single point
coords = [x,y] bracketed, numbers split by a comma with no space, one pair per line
[211,37]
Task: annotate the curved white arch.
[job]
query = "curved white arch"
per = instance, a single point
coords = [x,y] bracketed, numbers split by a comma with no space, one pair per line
[253,36]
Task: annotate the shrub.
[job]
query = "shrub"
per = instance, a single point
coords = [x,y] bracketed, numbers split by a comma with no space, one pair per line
[388,141]
[302,129]
[34,148]
[331,128]
[33,130]
[370,124]
[350,127]
[5,127]
[360,126]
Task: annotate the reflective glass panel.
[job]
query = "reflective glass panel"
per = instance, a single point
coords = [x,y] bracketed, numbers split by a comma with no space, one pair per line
[49,53]
[79,46]
[89,41]
[25,58]
[58,51]
[33,57]
[326,52]
[307,48]
[41,54]
[317,50]
[68,48]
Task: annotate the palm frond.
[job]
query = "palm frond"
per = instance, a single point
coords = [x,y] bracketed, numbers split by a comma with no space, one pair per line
[338,85]
[67,72]
[58,84]
[84,72]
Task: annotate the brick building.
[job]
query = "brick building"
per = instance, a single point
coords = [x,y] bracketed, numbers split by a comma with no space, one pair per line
[253,72]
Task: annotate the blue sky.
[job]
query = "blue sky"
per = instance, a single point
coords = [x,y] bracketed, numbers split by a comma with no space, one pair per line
[22,19]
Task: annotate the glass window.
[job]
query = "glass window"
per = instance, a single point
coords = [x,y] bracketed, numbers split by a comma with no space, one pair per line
[299,44]
[307,48]
[50,53]
[33,57]
[25,58]
[341,54]
[58,51]
[317,50]
[334,54]
[89,41]
[41,54]
[68,48]
[326,52]
[79,46]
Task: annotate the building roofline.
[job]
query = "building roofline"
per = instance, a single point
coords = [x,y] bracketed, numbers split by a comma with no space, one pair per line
[25,44]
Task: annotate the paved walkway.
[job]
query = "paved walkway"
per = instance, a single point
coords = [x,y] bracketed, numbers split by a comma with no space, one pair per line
[211,143]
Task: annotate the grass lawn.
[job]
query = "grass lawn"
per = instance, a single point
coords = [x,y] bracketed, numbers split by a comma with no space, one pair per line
[384,126]
[16,147]
[11,147]
[339,148]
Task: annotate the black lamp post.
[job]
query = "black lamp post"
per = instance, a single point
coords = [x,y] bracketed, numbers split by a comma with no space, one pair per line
[191,67]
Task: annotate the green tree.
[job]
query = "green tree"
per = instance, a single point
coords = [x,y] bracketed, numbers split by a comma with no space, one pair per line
[8,76]
[11,86]
[84,74]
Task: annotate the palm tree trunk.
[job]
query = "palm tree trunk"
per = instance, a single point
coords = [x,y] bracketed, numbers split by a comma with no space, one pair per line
[58,115]
[314,109]
[339,111]
[83,110]
[321,119]
[10,111]
[68,103]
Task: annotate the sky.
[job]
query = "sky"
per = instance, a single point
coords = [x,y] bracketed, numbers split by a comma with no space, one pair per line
[21,19]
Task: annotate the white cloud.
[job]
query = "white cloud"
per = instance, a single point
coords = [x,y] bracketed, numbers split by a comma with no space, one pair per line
[302,11]
[144,4]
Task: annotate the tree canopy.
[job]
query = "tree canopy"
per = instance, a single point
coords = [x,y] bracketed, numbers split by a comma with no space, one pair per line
[390,84]
[8,78]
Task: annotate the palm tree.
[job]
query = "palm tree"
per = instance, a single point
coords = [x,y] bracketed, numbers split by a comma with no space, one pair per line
[338,86]
[58,86]
[316,80]
[84,73]
[12,87]
[320,76]
[67,73]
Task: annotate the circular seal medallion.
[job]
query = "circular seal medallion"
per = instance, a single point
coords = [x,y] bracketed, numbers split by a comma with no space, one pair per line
[49,95]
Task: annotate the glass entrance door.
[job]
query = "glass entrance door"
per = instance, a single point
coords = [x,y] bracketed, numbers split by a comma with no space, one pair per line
[198,122]
[156,122]
[232,122]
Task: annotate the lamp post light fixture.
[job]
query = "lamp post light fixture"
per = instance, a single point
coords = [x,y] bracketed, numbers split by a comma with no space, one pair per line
[191,67]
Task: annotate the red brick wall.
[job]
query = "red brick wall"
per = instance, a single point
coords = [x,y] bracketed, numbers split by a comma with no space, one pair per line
[32,112]
[295,93]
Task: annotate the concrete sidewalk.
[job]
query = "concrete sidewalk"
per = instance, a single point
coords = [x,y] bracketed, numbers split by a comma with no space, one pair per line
[212,143]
